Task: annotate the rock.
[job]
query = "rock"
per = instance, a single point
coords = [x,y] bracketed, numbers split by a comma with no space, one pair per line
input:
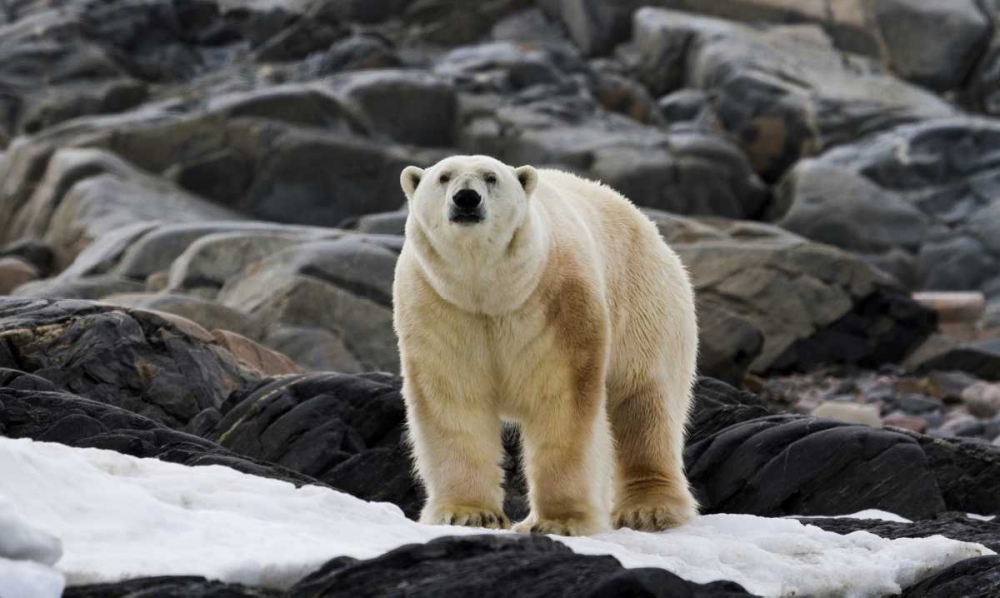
[50,416]
[978,576]
[852,413]
[916,404]
[212,261]
[950,525]
[86,193]
[967,473]
[14,272]
[357,53]
[314,349]
[168,587]
[982,399]
[90,287]
[387,223]
[343,286]
[750,467]
[487,565]
[344,430]
[840,311]
[32,251]
[941,61]
[499,565]
[906,422]
[981,359]
[299,39]
[539,104]
[783,92]
[255,357]
[427,117]
[168,370]
[214,258]
[595,26]
[935,184]
[207,314]
[728,342]
[718,405]
[954,307]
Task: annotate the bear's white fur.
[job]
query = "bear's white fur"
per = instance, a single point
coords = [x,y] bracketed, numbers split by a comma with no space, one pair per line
[562,310]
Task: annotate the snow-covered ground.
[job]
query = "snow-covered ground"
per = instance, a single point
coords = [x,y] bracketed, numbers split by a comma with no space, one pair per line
[26,558]
[120,517]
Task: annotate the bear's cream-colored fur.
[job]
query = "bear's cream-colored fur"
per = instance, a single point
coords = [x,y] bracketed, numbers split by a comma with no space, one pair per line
[562,310]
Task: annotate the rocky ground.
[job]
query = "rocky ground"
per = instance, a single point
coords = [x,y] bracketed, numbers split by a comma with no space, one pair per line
[200,216]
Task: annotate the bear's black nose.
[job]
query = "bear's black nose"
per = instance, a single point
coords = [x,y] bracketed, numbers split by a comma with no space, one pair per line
[466,199]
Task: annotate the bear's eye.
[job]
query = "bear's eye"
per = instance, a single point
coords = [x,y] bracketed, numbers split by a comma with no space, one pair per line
[491,179]
[444,178]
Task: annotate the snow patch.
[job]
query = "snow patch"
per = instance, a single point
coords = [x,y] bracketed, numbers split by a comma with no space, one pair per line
[26,558]
[121,517]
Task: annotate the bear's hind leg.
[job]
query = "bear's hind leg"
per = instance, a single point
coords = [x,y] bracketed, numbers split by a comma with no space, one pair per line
[652,490]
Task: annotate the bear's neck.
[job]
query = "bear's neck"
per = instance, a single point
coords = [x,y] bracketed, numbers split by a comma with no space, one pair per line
[490,278]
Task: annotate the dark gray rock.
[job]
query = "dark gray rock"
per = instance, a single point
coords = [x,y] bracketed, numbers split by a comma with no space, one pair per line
[168,370]
[950,525]
[841,309]
[979,577]
[486,565]
[981,359]
[926,192]
[786,464]
[499,566]
[540,104]
[168,587]
[782,93]
[30,407]
[344,430]
[932,42]
[967,472]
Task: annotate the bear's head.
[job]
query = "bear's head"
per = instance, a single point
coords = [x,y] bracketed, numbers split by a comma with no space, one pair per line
[469,197]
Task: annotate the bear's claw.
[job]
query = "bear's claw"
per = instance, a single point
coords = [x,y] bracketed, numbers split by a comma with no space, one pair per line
[467,517]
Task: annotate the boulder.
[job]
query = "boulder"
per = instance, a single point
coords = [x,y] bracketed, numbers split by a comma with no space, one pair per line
[751,468]
[343,286]
[499,565]
[207,314]
[344,430]
[14,272]
[981,359]
[160,366]
[540,104]
[86,193]
[934,43]
[783,92]
[924,192]
[978,576]
[30,407]
[809,303]
[950,525]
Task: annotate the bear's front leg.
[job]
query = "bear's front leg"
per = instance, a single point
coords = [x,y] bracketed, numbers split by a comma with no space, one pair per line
[568,460]
[458,452]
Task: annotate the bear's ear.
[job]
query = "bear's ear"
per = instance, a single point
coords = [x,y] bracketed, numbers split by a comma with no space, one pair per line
[410,179]
[528,177]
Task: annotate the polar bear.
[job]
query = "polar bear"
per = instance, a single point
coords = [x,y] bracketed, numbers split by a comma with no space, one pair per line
[544,299]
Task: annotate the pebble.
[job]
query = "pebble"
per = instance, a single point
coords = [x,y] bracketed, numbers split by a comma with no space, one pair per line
[912,423]
[854,413]
[982,399]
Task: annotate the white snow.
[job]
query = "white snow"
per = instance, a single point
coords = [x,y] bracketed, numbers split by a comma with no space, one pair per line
[26,558]
[120,517]
[981,517]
